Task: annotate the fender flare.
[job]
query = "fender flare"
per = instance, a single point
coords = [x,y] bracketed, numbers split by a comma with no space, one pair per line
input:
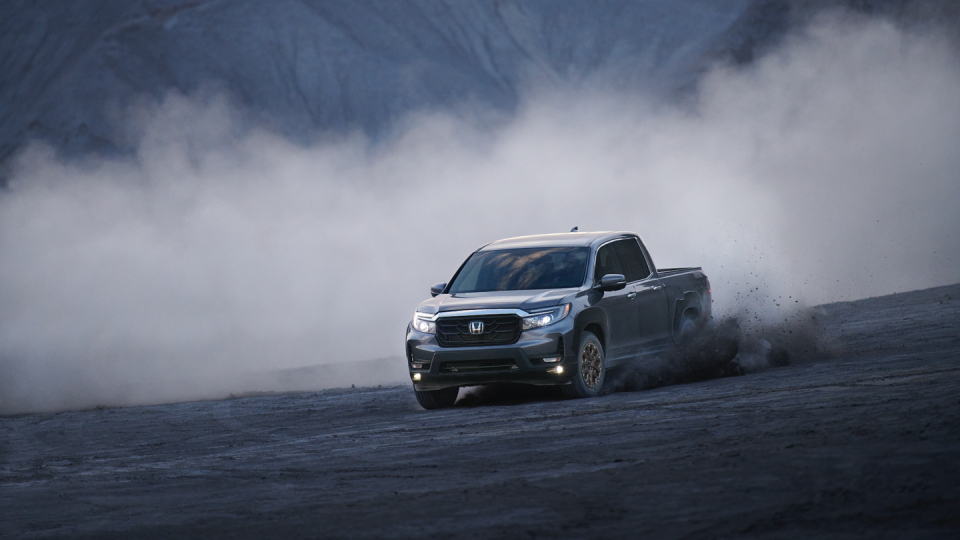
[591,315]
[688,300]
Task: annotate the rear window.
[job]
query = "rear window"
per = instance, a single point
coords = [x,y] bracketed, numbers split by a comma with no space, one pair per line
[634,266]
[522,269]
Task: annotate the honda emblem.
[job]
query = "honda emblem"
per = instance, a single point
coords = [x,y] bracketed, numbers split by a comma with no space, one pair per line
[476,327]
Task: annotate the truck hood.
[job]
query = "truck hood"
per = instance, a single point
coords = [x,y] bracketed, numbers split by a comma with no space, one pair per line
[525,300]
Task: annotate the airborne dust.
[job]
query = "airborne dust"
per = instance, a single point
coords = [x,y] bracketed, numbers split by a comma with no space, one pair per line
[824,171]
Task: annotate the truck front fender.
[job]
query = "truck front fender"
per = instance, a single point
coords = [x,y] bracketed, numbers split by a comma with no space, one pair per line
[593,319]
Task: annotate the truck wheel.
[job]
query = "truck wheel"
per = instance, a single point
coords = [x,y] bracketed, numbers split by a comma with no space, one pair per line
[590,370]
[437,399]
[686,328]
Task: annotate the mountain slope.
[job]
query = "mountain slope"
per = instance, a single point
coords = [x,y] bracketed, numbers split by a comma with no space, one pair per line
[310,65]
[69,72]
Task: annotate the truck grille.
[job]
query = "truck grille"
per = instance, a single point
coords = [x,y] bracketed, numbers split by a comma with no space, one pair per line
[497,330]
[479,366]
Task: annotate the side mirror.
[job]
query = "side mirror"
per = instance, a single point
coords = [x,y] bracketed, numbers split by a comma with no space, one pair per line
[439,287]
[612,282]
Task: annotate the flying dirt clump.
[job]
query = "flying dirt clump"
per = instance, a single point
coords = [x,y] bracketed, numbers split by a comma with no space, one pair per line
[713,349]
[726,348]
[704,352]
[797,339]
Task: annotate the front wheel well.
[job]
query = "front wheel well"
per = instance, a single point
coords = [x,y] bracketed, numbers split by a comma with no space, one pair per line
[596,330]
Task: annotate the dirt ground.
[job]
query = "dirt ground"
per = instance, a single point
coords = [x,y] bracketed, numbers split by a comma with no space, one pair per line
[863,445]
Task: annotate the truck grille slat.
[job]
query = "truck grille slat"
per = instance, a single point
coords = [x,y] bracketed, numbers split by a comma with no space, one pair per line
[497,330]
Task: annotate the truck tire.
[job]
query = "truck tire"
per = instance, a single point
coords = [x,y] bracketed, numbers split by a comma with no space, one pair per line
[437,399]
[686,328]
[590,371]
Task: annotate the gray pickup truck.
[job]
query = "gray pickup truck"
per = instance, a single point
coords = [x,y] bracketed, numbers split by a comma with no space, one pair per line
[553,309]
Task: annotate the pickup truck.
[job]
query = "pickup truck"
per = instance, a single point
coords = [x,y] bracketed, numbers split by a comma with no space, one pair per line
[553,309]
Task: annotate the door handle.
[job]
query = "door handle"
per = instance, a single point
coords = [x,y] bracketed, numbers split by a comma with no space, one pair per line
[657,287]
[632,295]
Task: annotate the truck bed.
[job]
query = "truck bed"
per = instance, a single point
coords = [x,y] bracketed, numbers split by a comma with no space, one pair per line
[668,271]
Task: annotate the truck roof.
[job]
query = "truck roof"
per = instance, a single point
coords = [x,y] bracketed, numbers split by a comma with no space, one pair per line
[556,240]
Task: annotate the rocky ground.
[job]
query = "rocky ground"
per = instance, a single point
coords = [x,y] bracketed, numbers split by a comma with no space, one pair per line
[861,445]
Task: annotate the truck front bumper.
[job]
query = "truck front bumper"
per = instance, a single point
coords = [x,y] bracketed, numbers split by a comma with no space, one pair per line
[433,367]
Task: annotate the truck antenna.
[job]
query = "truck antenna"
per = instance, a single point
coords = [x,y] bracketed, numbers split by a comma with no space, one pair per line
[575,229]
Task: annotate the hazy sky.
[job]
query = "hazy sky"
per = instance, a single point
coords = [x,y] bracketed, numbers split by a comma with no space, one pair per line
[827,170]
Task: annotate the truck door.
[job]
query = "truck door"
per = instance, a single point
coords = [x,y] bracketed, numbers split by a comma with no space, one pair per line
[622,318]
[649,298]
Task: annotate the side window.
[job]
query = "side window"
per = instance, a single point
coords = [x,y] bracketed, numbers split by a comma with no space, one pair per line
[635,267]
[607,262]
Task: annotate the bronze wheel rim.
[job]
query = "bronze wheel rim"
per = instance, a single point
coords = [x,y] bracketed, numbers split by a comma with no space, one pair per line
[591,365]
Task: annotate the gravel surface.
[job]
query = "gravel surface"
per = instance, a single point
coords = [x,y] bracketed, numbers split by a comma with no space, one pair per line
[863,445]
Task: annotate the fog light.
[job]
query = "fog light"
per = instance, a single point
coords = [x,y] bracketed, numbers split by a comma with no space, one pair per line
[557,370]
[416,376]
[552,360]
[418,366]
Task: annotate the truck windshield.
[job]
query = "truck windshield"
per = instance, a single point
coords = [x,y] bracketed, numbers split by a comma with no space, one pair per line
[522,269]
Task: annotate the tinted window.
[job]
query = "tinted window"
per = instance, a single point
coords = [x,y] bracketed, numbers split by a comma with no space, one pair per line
[607,262]
[634,266]
[522,269]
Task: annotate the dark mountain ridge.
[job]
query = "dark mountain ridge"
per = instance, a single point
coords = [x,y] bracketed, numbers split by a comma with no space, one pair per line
[70,71]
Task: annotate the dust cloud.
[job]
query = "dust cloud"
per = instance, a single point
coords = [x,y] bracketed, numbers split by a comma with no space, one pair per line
[826,170]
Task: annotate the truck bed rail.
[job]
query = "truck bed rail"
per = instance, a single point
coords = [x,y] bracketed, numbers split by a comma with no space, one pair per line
[668,271]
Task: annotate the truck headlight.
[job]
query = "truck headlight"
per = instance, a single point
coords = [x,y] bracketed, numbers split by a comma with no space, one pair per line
[540,320]
[424,322]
